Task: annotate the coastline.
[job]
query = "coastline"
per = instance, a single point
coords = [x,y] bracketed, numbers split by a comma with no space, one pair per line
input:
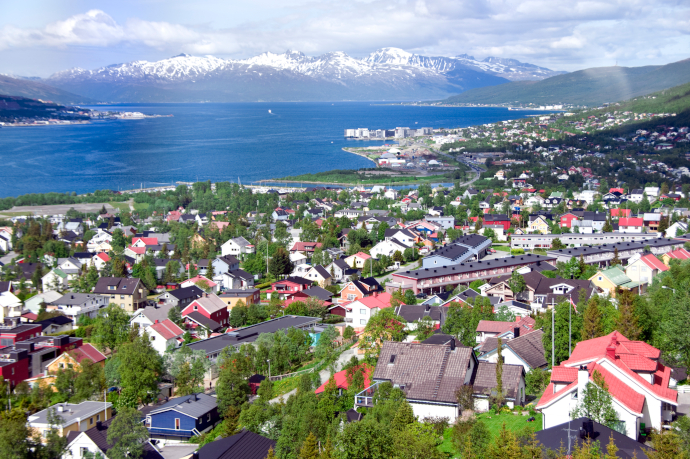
[360,154]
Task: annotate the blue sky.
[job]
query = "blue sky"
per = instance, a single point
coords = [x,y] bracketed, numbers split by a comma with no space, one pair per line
[39,37]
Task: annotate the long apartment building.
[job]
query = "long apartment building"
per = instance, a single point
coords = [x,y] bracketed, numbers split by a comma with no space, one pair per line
[544,241]
[602,255]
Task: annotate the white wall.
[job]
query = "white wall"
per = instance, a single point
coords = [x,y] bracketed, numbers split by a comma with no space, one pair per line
[422,411]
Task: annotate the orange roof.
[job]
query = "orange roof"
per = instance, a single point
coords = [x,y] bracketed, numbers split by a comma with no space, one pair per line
[167,329]
[103,256]
[680,254]
[653,262]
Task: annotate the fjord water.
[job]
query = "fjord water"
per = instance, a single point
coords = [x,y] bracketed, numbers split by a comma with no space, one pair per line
[217,142]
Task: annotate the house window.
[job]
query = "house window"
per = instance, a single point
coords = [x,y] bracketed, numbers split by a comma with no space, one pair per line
[600,278]
[209,417]
[351,297]
[362,321]
[61,365]
[177,423]
[91,420]
[98,417]
[122,297]
[83,452]
[351,287]
[196,308]
[362,312]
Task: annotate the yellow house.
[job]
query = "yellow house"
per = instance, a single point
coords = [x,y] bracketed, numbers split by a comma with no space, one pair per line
[74,358]
[320,275]
[74,417]
[679,254]
[611,279]
[539,225]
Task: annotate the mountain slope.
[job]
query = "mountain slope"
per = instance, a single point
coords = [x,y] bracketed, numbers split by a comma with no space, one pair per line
[588,87]
[36,90]
[387,74]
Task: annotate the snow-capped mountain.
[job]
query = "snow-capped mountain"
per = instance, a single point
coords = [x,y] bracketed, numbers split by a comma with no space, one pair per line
[386,74]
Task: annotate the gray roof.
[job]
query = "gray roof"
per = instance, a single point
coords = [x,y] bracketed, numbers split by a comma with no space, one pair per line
[158,312]
[471,240]
[322,271]
[194,405]
[528,347]
[470,267]
[427,371]
[76,299]
[251,333]
[245,445]
[413,312]
[319,293]
[201,319]
[122,286]
[187,292]
[451,252]
[71,412]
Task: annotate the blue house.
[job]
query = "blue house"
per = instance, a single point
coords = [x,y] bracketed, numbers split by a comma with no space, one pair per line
[183,417]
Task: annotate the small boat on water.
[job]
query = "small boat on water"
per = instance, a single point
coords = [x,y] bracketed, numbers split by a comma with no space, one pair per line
[269,111]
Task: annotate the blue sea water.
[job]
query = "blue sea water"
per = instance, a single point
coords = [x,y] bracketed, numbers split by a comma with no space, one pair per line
[217,142]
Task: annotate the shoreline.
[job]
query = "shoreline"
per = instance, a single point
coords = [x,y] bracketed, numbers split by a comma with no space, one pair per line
[360,154]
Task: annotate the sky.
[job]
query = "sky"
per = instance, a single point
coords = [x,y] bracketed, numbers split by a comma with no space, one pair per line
[40,37]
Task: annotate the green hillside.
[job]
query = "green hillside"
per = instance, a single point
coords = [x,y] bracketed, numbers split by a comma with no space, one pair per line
[585,87]
[35,90]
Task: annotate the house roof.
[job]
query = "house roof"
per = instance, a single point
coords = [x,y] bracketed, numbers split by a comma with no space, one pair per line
[167,329]
[69,414]
[57,320]
[527,347]
[87,351]
[305,246]
[426,371]
[122,286]
[630,221]
[186,292]
[209,302]
[680,254]
[198,278]
[413,312]
[228,260]
[199,318]
[615,275]
[484,378]
[494,326]
[377,300]
[468,267]
[341,380]
[653,262]
[319,293]
[245,445]
[322,271]
[555,437]
[99,436]
[194,405]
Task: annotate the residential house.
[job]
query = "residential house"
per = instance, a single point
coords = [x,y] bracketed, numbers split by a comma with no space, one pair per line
[33,304]
[56,279]
[651,221]
[526,350]
[630,225]
[340,270]
[182,418]
[179,297]
[341,380]
[613,278]
[388,247]
[163,335]
[678,254]
[431,374]
[74,359]
[306,248]
[360,288]
[643,268]
[320,275]
[205,282]
[76,305]
[636,195]
[636,380]
[149,315]
[414,312]
[236,247]
[94,441]
[287,287]
[211,307]
[54,325]
[475,243]
[129,294]
[677,229]
[237,279]
[357,260]
[487,329]
[224,264]
[539,225]
[361,310]
[234,296]
[74,417]
[450,254]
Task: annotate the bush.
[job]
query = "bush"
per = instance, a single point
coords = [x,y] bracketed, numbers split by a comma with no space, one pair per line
[517,251]
[438,423]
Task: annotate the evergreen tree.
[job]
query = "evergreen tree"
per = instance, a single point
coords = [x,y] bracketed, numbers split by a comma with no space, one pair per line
[611,449]
[667,445]
[127,435]
[309,449]
[517,283]
[627,322]
[591,321]
[615,260]
[37,279]
[210,274]
[404,417]
[271,454]
[499,373]
[504,446]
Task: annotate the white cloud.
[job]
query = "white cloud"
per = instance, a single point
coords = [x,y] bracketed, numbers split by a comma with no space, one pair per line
[559,34]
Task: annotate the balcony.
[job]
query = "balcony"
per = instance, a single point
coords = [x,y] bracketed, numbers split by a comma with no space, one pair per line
[366,397]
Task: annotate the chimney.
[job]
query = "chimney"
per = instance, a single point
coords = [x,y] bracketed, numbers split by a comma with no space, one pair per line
[516,332]
[582,380]
[60,408]
[195,455]
[611,351]
[428,308]
[99,424]
[452,344]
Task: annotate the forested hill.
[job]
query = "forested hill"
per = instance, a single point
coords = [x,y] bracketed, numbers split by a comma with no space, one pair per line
[585,87]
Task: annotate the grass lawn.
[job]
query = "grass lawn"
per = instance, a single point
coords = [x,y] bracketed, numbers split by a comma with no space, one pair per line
[122,206]
[501,248]
[494,424]
[141,205]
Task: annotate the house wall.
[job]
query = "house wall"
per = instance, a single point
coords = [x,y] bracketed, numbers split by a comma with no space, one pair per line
[359,314]
[74,449]
[640,272]
[509,357]
[423,410]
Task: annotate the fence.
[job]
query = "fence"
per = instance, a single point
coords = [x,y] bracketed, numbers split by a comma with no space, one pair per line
[289,375]
[683,389]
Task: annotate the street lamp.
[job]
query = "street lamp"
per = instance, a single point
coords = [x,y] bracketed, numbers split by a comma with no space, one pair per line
[269,368]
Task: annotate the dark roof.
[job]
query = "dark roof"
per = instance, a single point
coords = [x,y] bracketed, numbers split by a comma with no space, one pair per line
[353,415]
[319,293]
[557,436]
[528,347]
[495,218]
[451,252]
[413,312]
[201,319]
[469,267]
[484,378]
[229,260]
[240,273]
[57,320]
[393,231]
[5,286]
[471,240]
[438,338]
[99,435]
[193,292]
[122,286]
[256,378]
[424,371]
[295,280]
[322,271]
[251,333]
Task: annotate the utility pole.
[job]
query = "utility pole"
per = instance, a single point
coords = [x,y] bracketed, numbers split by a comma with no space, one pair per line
[553,336]
[570,318]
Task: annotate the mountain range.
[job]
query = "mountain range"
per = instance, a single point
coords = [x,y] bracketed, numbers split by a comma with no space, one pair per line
[386,74]
[592,86]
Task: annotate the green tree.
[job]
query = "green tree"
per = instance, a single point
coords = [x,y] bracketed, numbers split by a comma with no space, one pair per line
[505,445]
[111,328]
[127,435]
[89,382]
[239,314]
[416,441]
[280,263]
[175,316]
[596,403]
[383,326]
[309,449]
[517,283]
[591,321]
[187,367]
[627,323]
[556,244]
[232,388]
[140,369]
[499,373]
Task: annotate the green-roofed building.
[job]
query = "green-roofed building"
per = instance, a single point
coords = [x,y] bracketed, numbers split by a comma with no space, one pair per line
[614,278]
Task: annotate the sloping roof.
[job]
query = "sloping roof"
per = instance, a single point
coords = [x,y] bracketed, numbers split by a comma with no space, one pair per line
[319,293]
[87,351]
[615,275]
[158,312]
[99,435]
[377,300]
[471,240]
[204,321]
[484,378]
[245,445]
[529,348]
[186,292]
[322,271]
[680,254]
[341,380]
[420,368]
[555,437]
[653,262]
[194,405]
[122,285]
[167,329]
[413,312]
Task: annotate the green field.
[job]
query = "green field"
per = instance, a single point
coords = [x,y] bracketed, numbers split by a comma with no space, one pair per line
[494,424]
[348,177]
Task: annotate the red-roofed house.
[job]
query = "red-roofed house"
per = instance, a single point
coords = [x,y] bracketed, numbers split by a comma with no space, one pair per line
[164,334]
[173,216]
[74,358]
[637,381]
[100,259]
[135,252]
[630,225]
[679,254]
[307,248]
[645,268]
[144,241]
[211,307]
[360,311]
[214,287]
[567,220]
[620,213]
[617,190]
[341,379]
